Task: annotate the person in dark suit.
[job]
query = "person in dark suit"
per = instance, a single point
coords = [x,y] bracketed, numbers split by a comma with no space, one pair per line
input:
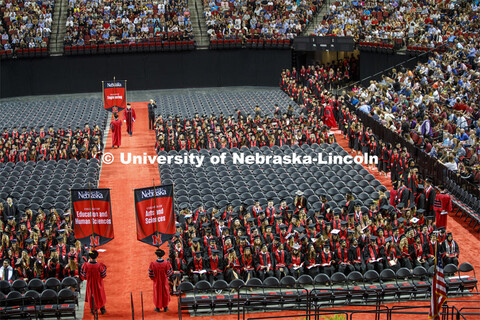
[300,201]
[403,194]
[11,209]
[430,195]
[151,114]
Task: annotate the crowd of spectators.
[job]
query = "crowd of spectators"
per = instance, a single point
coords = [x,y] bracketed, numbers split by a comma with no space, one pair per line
[25,24]
[29,145]
[203,132]
[38,244]
[423,23]
[258,19]
[433,106]
[113,22]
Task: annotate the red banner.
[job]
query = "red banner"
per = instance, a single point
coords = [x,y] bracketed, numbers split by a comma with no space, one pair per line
[114,95]
[149,230]
[92,208]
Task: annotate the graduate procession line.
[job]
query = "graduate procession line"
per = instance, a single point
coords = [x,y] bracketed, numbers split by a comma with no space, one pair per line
[239,158]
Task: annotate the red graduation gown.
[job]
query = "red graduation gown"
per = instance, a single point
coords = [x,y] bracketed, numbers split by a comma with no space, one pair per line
[116,126]
[94,272]
[159,271]
[328,117]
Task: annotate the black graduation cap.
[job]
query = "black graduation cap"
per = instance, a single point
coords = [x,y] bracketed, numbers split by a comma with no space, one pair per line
[420,187]
[184,206]
[421,211]
[14,241]
[384,207]
[358,203]
[350,231]
[243,238]
[283,226]
[215,251]
[302,237]
[400,205]
[277,238]
[388,239]
[231,250]
[53,248]
[198,253]
[196,239]
[300,229]
[60,238]
[311,225]
[10,218]
[42,240]
[401,220]
[373,238]
[343,223]
[29,241]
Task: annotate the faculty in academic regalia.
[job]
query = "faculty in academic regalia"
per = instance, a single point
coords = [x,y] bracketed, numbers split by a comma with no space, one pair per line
[129,118]
[116,126]
[159,271]
[94,272]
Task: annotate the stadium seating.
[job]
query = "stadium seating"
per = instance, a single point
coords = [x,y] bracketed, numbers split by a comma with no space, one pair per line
[324,292]
[59,113]
[195,186]
[160,27]
[208,103]
[25,28]
[46,184]
[230,24]
[42,303]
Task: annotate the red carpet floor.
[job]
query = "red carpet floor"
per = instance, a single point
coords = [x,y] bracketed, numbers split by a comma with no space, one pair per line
[127,259]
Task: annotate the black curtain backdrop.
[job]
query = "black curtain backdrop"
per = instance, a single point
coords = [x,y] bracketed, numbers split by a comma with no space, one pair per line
[372,63]
[143,71]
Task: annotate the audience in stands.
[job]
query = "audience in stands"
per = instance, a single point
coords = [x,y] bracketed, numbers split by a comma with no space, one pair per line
[113,22]
[426,24]
[30,145]
[258,19]
[25,24]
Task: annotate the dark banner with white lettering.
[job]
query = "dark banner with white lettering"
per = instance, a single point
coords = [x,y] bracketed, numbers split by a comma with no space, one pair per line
[92,208]
[149,230]
[114,95]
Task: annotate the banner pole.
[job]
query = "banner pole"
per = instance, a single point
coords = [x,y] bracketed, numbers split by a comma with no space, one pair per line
[131,304]
[141,297]
[91,213]
[155,208]
[103,93]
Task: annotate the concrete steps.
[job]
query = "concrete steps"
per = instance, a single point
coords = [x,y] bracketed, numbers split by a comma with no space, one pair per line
[58,27]
[316,20]
[199,24]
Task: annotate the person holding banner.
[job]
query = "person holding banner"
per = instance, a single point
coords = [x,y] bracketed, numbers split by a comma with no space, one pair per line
[159,271]
[116,127]
[94,272]
[129,118]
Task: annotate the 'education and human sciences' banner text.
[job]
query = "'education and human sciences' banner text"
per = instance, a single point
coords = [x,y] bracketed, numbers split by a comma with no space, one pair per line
[92,207]
[114,95]
[147,224]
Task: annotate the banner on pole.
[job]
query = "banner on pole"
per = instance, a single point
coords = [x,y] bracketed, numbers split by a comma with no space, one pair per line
[149,230]
[92,207]
[114,95]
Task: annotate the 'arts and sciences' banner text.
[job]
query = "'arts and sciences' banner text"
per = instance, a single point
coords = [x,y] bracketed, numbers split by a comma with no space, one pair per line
[114,95]
[147,224]
[92,207]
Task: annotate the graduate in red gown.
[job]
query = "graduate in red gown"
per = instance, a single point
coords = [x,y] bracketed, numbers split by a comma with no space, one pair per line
[94,272]
[328,117]
[159,271]
[442,206]
[116,126]
[129,118]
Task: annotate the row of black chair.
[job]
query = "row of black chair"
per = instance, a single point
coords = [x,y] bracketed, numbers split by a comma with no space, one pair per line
[339,289]
[39,285]
[49,303]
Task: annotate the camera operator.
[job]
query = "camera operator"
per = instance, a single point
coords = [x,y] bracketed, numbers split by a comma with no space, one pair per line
[151,114]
